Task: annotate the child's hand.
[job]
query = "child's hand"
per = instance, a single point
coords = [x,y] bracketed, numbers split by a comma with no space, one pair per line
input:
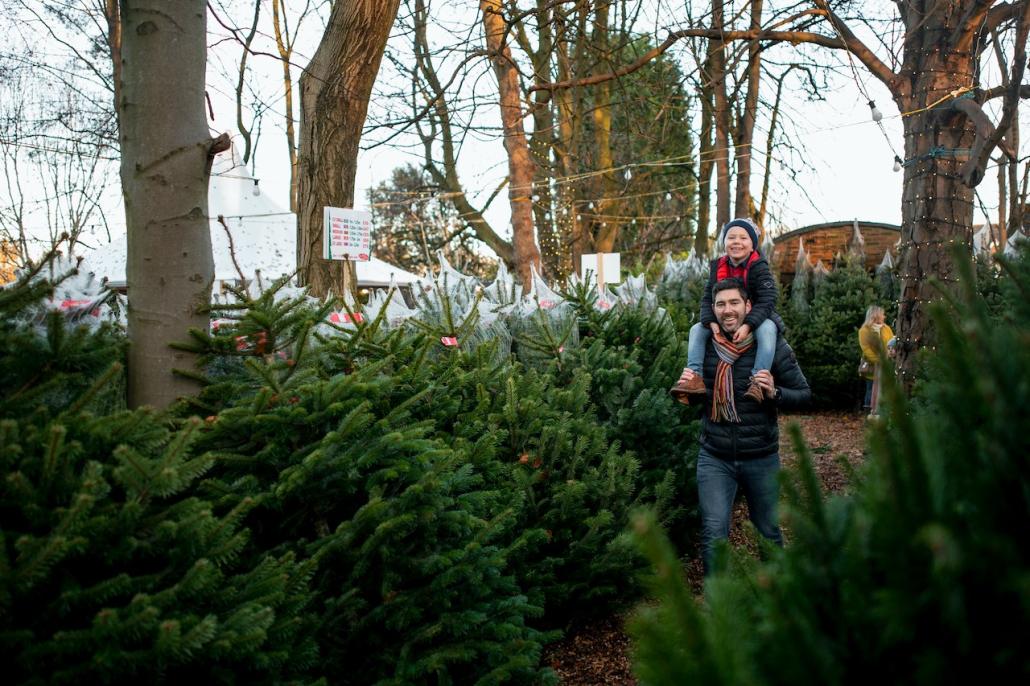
[714,327]
[743,332]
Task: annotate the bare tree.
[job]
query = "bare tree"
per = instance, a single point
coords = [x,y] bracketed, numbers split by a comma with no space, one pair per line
[58,140]
[520,163]
[165,166]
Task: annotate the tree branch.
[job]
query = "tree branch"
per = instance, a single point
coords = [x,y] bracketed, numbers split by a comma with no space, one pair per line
[849,42]
[999,91]
[859,49]
[970,25]
[987,136]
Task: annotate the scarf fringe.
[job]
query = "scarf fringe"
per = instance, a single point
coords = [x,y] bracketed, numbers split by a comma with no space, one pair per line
[723,406]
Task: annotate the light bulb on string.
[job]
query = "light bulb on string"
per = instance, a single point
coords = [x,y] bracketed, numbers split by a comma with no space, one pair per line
[877,114]
[668,197]
[628,175]
[257,189]
[897,163]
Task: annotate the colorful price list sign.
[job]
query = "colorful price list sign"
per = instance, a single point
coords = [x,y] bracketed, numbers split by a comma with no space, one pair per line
[347,234]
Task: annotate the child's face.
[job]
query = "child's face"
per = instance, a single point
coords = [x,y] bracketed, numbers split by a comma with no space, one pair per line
[738,243]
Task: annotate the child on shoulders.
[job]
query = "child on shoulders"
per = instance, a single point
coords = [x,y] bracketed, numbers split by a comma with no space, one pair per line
[743,261]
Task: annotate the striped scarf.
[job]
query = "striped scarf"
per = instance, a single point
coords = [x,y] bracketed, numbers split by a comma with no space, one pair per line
[723,407]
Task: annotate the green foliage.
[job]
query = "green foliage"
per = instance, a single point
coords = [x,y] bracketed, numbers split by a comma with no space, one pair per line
[825,338]
[46,362]
[920,576]
[111,569]
[412,546]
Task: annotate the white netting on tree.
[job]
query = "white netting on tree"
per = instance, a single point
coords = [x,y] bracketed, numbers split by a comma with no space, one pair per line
[634,291]
[819,274]
[392,300]
[82,298]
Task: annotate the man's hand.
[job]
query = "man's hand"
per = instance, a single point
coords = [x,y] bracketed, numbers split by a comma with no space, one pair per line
[743,332]
[765,381]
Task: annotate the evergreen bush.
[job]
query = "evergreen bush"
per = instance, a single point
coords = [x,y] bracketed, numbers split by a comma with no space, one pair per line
[111,569]
[413,579]
[825,338]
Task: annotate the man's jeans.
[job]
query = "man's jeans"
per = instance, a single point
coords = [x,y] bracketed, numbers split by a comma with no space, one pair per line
[765,340]
[717,482]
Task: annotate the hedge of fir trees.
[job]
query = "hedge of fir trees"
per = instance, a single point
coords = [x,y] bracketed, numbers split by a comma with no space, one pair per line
[920,576]
[354,504]
[112,568]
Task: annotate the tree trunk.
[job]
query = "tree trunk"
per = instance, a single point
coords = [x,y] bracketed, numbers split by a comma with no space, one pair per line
[1015,202]
[568,222]
[334,94]
[541,145]
[746,129]
[717,60]
[606,226]
[704,179]
[936,206]
[165,165]
[769,145]
[284,44]
[520,163]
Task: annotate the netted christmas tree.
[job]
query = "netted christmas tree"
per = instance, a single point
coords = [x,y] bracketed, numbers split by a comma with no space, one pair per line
[920,576]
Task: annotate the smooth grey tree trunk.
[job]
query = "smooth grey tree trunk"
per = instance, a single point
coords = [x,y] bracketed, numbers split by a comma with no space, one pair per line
[165,165]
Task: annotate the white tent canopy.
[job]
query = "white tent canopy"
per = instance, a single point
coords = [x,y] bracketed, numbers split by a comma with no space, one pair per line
[263,236]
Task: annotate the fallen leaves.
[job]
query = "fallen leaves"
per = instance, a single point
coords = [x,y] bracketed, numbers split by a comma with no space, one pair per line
[598,652]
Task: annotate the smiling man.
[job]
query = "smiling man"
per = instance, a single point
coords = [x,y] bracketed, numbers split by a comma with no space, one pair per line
[739,434]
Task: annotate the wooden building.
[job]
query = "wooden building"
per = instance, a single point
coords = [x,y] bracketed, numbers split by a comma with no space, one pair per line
[824,242]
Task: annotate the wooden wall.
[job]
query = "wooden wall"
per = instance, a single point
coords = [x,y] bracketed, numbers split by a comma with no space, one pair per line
[824,241]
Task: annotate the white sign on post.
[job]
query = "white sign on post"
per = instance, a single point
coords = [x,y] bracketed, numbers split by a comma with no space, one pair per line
[605,266]
[347,234]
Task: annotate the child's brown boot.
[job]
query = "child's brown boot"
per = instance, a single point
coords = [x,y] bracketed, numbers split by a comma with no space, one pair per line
[754,391]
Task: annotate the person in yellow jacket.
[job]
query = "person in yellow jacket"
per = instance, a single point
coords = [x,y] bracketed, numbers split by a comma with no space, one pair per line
[874,336]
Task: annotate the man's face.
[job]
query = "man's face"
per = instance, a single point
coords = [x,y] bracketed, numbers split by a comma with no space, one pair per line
[730,309]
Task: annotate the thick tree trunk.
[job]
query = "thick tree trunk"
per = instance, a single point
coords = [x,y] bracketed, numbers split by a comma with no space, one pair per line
[936,207]
[334,94]
[520,163]
[165,164]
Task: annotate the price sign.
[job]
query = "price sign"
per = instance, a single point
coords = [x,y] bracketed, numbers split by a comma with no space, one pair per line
[347,234]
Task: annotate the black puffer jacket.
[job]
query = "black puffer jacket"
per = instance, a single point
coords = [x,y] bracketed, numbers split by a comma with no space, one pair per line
[757,434]
[761,289]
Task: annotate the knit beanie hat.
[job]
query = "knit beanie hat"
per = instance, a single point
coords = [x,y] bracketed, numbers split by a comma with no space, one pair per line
[747,225]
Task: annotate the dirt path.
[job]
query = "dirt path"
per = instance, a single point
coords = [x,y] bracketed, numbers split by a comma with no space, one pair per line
[599,653]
